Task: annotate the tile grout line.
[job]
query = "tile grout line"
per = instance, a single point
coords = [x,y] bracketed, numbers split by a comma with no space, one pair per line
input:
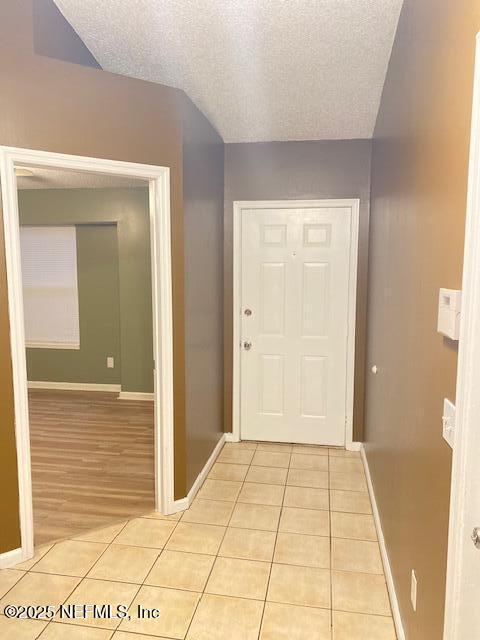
[221,542]
[274,548]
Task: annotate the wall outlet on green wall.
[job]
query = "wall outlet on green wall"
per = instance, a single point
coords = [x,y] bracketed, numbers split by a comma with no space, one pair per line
[110,362]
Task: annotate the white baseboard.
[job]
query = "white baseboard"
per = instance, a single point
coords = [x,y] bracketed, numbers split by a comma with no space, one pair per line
[230,437]
[184,503]
[11,558]
[397,619]
[353,446]
[136,395]
[74,386]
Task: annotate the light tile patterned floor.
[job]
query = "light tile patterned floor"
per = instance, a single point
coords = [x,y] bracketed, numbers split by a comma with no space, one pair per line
[279,544]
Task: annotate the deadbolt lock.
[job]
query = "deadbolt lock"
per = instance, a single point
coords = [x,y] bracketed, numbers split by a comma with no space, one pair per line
[248,312]
[476,537]
[247,346]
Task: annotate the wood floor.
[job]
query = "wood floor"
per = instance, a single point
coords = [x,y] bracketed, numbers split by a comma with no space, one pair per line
[92,461]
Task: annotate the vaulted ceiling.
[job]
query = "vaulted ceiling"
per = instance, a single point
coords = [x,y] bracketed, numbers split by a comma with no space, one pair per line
[260,70]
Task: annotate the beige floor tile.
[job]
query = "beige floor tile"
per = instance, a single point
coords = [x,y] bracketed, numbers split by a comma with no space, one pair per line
[267,475]
[348,481]
[124,564]
[239,578]
[248,544]
[9,577]
[176,611]
[353,525]
[310,450]
[100,592]
[104,535]
[146,532]
[360,593]
[290,622]
[123,635]
[236,456]
[342,453]
[307,521]
[306,498]
[58,631]
[196,538]
[220,490]
[299,585]
[279,447]
[209,512]
[156,515]
[12,629]
[244,444]
[255,516]
[346,465]
[271,459]
[39,553]
[347,626]
[40,588]
[304,461]
[71,558]
[350,501]
[181,570]
[223,471]
[221,617]
[307,478]
[257,493]
[307,551]
[356,555]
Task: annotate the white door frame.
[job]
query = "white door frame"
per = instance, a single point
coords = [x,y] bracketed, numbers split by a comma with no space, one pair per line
[238,208]
[159,204]
[466,451]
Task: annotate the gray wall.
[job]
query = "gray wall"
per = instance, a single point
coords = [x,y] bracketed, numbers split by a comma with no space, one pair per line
[299,170]
[203,163]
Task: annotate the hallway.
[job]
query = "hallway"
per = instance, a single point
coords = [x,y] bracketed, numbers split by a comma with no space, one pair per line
[279,544]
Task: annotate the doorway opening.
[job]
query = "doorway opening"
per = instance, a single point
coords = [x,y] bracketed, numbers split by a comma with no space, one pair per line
[86,288]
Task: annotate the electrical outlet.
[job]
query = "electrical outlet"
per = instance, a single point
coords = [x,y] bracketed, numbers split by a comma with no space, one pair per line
[110,362]
[413,591]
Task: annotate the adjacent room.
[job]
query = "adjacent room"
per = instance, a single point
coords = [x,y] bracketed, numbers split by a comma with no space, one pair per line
[85,252]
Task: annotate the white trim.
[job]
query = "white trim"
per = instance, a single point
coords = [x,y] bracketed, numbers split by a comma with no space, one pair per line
[230,437]
[136,395]
[11,558]
[53,345]
[466,447]
[184,503]
[74,386]
[238,206]
[397,618]
[353,446]
[159,181]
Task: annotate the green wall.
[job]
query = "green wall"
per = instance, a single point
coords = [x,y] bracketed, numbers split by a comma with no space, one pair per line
[113,242]
[99,306]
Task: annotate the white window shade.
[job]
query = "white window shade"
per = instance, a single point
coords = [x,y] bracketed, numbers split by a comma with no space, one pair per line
[50,289]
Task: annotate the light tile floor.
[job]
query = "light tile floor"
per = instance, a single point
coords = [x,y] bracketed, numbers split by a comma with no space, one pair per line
[279,544]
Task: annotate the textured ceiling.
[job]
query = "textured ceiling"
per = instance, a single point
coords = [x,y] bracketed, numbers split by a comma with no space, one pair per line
[62,179]
[259,69]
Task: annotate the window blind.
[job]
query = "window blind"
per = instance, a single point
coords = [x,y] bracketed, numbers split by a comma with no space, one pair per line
[50,287]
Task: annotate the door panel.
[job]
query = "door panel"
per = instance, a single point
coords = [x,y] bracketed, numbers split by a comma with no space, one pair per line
[295,270]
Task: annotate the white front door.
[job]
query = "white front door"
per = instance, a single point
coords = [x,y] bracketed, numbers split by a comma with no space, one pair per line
[294,323]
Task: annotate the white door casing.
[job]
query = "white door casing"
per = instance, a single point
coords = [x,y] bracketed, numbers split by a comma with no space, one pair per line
[295,267]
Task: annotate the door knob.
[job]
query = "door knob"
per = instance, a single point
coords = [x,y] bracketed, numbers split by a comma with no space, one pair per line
[247,346]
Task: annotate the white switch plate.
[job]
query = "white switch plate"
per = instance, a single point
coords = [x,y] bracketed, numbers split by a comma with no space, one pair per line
[110,362]
[448,420]
[413,591]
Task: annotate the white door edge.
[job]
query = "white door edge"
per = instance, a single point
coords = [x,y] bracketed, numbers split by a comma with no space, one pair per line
[238,207]
[159,190]
[466,450]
